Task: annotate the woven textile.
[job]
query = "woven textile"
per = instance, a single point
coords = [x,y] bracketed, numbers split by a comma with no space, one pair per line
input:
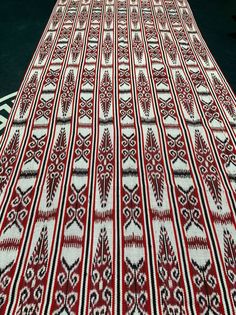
[118,168]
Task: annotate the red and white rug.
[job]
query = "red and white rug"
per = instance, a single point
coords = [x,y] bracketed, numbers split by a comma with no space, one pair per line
[118,168]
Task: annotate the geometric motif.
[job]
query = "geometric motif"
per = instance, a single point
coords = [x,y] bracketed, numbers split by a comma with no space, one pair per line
[224,97]
[207,168]
[68,92]
[170,48]
[33,283]
[28,94]
[106,93]
[135,279]
[200,49]
[56,166]
[107,47]
[118,168]
[230,263]
[185,96]
[105,166]
[172,297]
[76,47]
[109,17]
[154,167]
[45,48]
[144,93]
[138,49]
[7,160]
[100,300]
[208,298]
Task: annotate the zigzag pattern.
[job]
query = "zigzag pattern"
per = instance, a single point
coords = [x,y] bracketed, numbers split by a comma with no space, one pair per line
[6,104]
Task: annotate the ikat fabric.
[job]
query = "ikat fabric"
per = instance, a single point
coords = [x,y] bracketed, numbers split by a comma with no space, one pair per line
[118,168]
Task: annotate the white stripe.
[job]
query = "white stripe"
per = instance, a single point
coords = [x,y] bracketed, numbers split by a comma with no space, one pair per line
[5,107]
[8,96]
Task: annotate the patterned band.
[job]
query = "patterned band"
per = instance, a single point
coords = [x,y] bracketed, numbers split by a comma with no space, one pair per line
[118,168]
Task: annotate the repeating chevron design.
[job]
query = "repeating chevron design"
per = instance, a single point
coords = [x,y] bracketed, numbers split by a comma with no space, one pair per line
[6,104]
